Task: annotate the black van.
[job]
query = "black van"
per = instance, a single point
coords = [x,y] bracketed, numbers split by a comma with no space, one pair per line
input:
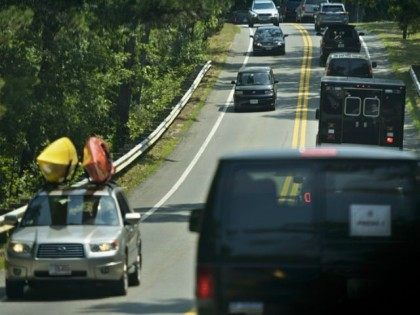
[305,231]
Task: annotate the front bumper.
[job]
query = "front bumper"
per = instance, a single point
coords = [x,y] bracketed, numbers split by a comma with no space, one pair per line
[269,48]
[257,102]
[265,20]
[78,269]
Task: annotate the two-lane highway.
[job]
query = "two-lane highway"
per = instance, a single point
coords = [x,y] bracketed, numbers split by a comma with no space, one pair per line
[181,184]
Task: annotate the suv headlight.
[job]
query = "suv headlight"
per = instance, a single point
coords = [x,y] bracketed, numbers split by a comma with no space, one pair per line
[239,92]
[104,247]
[19,248]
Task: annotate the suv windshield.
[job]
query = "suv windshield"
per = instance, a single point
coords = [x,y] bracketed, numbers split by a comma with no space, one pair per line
[264,6]
[254,78]
[71,210]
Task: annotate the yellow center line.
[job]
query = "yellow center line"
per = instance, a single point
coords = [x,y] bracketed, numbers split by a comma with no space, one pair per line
[299,129]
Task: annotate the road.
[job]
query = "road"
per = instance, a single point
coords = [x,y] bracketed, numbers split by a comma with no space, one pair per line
[181,184]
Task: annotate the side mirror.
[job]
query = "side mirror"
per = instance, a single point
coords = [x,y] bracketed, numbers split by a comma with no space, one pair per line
[317,113]
[276,81]
[233,82]
[374,64]
[11,219]
[195,220]
[285,35]
[361,33]
[132,218]
[252,36]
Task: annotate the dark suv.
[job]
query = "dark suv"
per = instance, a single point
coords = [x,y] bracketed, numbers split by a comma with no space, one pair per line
[339,38]
[255,88]
[308,231]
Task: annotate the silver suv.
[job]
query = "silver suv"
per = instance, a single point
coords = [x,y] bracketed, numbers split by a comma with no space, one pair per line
[263,11]
[83,234]
[331,13]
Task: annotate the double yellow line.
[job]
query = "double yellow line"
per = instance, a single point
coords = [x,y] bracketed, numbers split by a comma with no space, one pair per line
[299,129]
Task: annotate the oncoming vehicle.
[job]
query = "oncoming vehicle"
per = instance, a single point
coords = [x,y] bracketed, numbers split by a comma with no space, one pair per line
[331,13]
[263,11]
[349,65]
[309,231]
[361,111]
[269,39]
[255,88]
[288,9]
[307,9]
[75,234]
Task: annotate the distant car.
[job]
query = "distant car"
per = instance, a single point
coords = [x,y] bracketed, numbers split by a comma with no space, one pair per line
[255,88]
[75,234]
[263,11]
[288,9]
[240,16]
[349,65]
[339,38]
[310,231]
[307,9]
[331,13]
[269,39]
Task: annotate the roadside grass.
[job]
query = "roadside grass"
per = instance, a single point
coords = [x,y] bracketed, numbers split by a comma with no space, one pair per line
[402,54]
[218,49]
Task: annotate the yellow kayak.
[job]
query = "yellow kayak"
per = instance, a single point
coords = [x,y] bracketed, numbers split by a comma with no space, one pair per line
[58,160]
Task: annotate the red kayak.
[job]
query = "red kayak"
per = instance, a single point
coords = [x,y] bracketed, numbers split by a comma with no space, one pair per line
[97,161]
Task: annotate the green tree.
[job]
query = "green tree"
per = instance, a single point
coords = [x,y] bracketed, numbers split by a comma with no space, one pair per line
[407,14]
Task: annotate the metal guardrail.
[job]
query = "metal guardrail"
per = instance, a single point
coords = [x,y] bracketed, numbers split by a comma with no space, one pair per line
[140,148]
[415,79]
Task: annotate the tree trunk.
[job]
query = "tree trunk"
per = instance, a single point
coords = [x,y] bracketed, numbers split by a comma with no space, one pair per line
[405,31]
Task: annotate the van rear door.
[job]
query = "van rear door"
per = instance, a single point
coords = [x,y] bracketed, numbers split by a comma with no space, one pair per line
[370,224]
[361,116]
[270,248]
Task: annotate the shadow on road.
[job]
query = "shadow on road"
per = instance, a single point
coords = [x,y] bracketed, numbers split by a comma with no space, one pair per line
[175,213]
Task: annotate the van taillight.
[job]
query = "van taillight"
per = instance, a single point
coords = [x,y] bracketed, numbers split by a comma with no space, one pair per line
[390,137]
[205,283]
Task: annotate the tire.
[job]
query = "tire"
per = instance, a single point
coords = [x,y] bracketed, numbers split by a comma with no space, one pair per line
[322,61]
[134,277]
[120,287]
[283,52]
[236,109]
[272,108]
[15,289]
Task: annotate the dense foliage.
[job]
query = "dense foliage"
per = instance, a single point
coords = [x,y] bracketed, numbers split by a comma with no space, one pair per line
[80,67]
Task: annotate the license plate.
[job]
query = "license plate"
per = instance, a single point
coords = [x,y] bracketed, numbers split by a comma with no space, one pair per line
[268,48]
[340,45]
[370,220]
[253,101]
[59,270]
[253,308]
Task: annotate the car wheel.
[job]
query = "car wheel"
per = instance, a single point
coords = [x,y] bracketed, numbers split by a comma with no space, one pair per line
[14,289]
[322,61]
[121,286]
[283,51]
[272,107]
[134,277]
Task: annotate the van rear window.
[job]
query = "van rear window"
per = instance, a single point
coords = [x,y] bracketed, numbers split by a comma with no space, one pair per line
[269,198]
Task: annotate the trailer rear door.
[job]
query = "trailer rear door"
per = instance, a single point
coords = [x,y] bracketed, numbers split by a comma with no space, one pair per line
[361,116]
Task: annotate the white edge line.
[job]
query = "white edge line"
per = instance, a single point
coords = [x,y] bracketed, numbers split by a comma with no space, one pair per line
[365,46]
[200,151]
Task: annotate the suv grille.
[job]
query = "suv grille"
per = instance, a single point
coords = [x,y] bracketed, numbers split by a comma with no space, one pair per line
[60,251]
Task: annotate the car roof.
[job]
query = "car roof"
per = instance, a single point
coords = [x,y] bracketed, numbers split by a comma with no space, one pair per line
[366,81]
[341,26]
[268,27]
[326,4]
[339,55]
[255,69]
[85,189]
[324,152]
